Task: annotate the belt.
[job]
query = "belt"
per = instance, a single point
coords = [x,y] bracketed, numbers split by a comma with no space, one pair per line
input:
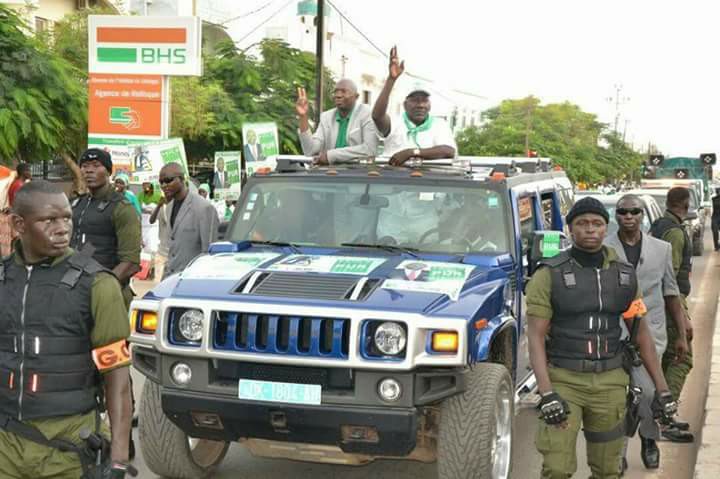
[588,365]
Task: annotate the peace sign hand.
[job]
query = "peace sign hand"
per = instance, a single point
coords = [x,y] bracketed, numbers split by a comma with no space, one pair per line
[396,66]
[301,105]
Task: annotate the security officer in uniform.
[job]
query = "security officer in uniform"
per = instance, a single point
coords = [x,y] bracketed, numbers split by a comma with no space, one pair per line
[63,327]
[107,220]
[575,304]
[676,367]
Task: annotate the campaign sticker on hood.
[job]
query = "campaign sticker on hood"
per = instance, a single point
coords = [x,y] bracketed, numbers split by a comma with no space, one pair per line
[226,265]
[429,277]
[307,263]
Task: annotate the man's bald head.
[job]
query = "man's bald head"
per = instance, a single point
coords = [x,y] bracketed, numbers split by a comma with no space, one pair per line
[172,169]
[33,195]
[172,181]
[347,84]
[630,201]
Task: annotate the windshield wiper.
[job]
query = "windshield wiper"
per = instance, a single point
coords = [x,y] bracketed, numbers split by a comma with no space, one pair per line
[285,244]
[387,247]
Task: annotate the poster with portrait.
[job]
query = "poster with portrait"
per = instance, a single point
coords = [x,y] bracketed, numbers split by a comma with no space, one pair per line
[226,170]
[261,145]
[147,159]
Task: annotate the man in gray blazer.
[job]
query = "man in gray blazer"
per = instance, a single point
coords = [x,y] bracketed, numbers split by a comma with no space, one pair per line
[345,133]
[192,220]
[652,259]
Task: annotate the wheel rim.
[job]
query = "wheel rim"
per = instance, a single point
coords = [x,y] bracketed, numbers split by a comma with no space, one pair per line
[204,452]
[502,442]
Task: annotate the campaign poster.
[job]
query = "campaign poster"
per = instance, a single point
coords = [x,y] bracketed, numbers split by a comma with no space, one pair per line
[147,159]
[260,145]
[227,169]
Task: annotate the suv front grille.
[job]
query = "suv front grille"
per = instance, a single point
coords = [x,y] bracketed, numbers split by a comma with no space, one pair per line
[285,335]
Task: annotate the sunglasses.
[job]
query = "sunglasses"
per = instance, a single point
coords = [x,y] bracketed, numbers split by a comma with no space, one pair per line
[632,211]
[168,180]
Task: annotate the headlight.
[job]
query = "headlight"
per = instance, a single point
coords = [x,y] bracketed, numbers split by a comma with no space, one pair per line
[390,338]
[190,325]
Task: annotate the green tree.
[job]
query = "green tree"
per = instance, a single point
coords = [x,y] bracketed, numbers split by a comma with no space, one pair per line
[42,105]
[574,139]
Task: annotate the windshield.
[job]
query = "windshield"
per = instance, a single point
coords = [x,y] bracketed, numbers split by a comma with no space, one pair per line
[428,217]
[662,195]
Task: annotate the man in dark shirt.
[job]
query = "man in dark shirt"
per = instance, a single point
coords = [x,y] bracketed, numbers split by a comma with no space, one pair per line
[715,222]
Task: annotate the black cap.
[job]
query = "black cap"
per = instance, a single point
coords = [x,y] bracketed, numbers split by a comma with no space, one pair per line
[96,154]
[587,205]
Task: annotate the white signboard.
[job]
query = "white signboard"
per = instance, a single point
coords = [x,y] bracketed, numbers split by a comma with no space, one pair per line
[226,265]
[307,263]
[145,45]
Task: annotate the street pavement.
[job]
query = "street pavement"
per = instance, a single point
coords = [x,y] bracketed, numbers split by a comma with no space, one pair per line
[677,460]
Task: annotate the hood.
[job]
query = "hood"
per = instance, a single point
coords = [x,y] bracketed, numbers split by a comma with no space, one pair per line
[438,285]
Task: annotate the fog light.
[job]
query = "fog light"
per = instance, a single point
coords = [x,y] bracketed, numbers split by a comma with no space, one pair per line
[445,341]
[190,325]
[389,390]
[181,374]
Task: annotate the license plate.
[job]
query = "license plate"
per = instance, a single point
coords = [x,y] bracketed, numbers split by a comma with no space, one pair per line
[271,391]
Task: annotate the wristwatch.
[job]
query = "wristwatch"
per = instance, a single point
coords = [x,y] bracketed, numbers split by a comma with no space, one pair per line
[416,152]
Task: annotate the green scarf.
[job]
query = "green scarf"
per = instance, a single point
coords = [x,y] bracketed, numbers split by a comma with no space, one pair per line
[413,129]
[343,123]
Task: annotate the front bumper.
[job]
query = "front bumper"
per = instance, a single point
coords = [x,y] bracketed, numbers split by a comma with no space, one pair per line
[349,400]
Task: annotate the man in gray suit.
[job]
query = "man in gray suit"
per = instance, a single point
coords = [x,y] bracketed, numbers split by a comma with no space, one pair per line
[345,133]
[192,220]
[652,259]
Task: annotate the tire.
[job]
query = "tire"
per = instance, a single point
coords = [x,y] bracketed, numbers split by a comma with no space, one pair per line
[166,449]
[475,438]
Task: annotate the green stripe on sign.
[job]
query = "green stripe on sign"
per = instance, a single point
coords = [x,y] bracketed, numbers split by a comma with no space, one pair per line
[117,55]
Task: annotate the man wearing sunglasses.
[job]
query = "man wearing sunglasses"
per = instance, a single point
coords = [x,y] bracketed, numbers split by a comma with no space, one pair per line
[193,220]
[652,260]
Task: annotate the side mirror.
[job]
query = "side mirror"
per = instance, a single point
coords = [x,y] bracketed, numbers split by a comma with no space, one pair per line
[691,215]
[222,230]
[545,244]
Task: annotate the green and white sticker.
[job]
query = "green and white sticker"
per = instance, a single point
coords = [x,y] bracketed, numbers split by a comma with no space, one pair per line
[431,277]
[550,244]
[226,265]
[306,263]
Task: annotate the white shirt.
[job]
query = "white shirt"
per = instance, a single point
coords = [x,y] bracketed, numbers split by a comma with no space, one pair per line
[439,134]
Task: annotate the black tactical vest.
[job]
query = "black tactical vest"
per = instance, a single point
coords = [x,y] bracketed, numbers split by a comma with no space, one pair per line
[46,366]
[587,307]
[658,229]
[92,223]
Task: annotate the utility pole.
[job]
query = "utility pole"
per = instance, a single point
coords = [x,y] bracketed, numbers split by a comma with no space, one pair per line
[618,100]
[528,123]
[343,60]
[319,49]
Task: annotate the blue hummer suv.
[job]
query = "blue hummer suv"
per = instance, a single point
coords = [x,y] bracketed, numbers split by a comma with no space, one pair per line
[354,312]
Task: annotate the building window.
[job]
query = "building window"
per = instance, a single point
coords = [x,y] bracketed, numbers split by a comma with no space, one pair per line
[367,97]
[42,25]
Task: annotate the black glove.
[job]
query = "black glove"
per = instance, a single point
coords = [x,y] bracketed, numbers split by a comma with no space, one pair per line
[554,409]
[663,405]
[117,470]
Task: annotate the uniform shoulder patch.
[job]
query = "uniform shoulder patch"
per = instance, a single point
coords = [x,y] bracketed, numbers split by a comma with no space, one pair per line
[637,309]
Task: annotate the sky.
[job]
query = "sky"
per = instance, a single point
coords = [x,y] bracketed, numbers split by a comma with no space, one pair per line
[664,54]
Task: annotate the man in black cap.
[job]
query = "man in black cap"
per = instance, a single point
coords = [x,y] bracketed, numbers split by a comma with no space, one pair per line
[576,301]
[415,134]
[107,220]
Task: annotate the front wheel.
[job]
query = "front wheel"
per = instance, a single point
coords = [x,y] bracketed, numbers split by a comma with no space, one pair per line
[475,438]
[167,450]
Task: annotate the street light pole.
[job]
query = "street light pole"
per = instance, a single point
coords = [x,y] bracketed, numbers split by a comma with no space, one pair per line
[319,48]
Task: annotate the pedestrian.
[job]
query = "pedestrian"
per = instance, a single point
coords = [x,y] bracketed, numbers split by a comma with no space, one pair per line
[652,260]
[122,186]
[159,215]
[669,228]
[107,220]
[346,133]
[65,328]
[416,134]
[23,176]
[193,221]
[715,221]
[576,300]
[149,195]
[204,190]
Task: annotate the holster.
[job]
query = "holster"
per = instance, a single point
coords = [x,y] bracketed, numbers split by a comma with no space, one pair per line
[632,416]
